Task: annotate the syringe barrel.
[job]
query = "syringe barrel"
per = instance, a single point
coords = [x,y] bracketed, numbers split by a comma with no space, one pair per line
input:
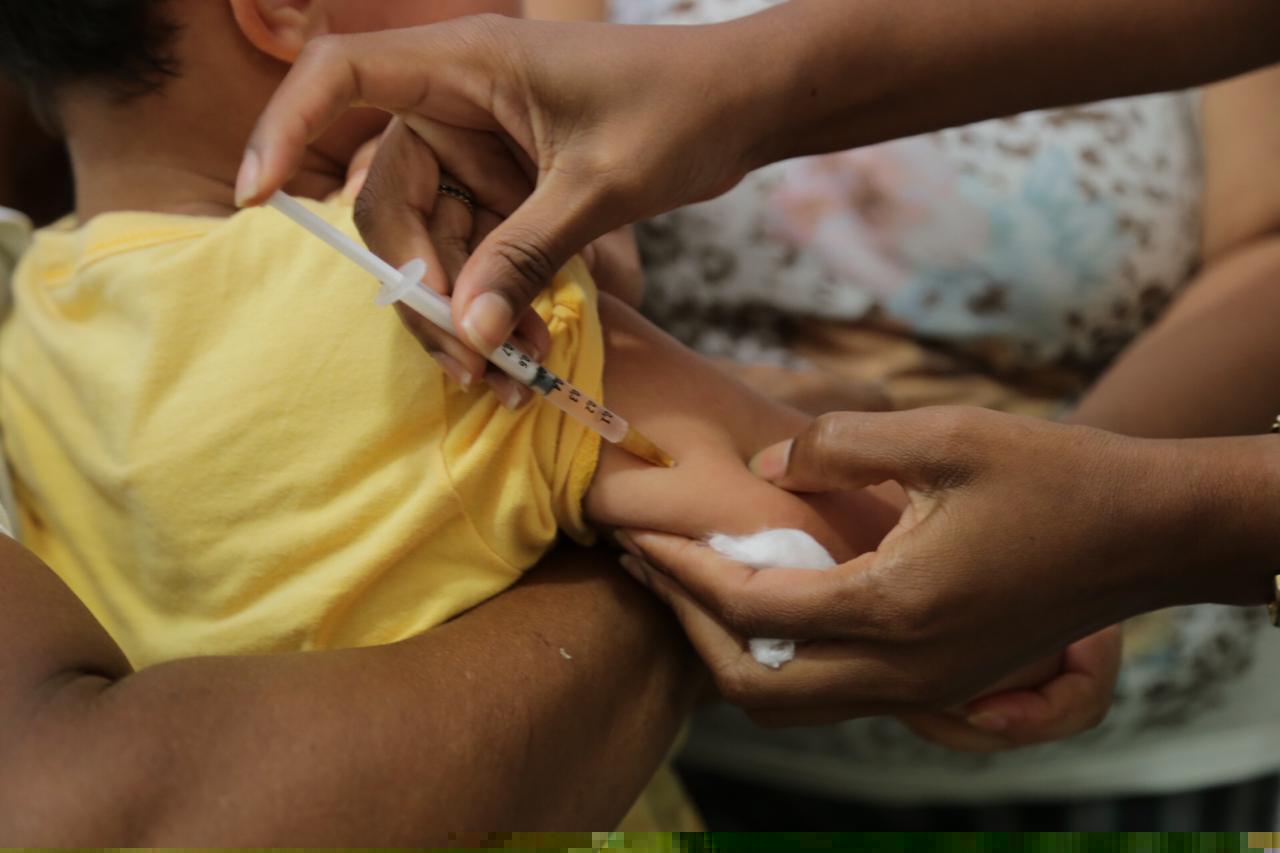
[426,302]
[410,290]
[586,411]
[413,292]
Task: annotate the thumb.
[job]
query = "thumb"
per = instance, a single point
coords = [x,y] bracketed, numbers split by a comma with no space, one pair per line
[921,449]
[519,258]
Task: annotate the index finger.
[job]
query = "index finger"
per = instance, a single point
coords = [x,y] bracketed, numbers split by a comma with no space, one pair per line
[823,676]
[392,70]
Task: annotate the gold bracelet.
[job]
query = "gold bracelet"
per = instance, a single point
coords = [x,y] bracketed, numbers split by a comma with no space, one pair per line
[1273,607]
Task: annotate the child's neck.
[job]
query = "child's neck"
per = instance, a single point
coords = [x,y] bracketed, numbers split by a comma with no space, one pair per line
[118,167]
[176,151]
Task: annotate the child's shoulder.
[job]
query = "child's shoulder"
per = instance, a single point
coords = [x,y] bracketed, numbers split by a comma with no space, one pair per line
[264,235]
[253,237]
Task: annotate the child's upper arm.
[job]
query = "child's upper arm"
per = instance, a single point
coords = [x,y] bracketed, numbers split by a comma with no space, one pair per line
[710,423]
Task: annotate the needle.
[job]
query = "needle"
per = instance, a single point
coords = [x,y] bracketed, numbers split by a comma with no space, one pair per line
[405,285]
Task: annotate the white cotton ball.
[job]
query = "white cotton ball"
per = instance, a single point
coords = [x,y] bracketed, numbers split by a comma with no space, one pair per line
[772,653]
[773,549]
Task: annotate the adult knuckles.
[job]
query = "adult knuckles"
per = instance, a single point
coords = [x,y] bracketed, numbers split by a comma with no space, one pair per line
[895,611]
[742,682]
[918,687]
[489,29]
[324,52]
[614,180]
[527,252]
[368,210]
[951,442]
[820,454]
[833,432]
[861,608]
[742,616]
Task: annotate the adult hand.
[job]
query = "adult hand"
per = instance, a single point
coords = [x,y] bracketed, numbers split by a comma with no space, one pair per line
[556,104]
[619,123]
[1020,537]
[440,229]
[1075,698]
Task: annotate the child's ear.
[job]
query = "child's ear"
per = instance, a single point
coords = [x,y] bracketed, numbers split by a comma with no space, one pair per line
[280,28]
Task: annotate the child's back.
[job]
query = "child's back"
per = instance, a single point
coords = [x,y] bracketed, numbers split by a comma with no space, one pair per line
[222,445]
[218,441]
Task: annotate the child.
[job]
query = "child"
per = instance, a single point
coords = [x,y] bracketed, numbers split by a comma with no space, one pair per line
[222,446]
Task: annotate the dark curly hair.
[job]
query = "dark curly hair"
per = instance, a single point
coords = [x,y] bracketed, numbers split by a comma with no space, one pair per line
[124,45]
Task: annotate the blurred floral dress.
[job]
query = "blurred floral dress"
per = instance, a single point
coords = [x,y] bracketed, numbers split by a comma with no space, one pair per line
[1012,259]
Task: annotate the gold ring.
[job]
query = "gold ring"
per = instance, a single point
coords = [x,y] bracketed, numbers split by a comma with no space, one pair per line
[459,194]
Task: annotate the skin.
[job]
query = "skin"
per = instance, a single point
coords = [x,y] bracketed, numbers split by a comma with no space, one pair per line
[479,723]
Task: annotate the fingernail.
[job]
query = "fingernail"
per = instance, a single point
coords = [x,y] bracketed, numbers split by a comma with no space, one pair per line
[454,368]
[247,180]
[354,184]
[510,396]
[988,721]
[771,463]
[488,322]
[634,568]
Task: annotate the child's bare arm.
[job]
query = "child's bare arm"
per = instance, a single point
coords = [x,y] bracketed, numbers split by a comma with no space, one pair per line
[710,423]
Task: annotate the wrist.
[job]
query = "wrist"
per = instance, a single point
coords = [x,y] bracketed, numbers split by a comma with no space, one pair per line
[795,79]
[1222,519]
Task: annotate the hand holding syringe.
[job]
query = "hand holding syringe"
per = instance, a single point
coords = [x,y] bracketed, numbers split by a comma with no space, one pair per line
[405,285]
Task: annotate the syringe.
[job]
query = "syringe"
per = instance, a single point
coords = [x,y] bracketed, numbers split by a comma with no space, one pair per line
[406,285]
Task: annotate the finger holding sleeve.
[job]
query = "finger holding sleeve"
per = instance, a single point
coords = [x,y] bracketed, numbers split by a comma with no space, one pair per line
[400,215]
[522,255]
[479,161]
[486,168]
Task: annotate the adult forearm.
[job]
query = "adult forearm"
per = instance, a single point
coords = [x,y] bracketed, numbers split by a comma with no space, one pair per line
[549,706]
[1211,367]
[1222,531]
[834,74]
